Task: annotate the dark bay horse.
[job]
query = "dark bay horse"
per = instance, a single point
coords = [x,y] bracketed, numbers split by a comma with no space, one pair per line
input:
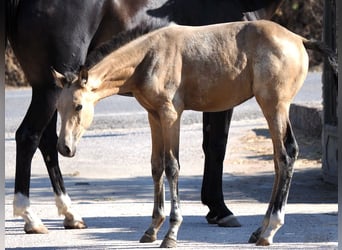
[207,68]
[61,34]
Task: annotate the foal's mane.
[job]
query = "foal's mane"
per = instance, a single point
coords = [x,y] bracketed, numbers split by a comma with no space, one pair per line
[118,41]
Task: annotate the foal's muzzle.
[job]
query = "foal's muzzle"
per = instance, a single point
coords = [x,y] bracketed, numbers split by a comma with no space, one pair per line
[66,150]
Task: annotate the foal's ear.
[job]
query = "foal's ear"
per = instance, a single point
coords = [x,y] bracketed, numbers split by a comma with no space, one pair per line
[83,75]
[59,78]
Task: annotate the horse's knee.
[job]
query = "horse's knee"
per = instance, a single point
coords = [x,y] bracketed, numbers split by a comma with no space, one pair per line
[217,150]
[26,138]
[171,168]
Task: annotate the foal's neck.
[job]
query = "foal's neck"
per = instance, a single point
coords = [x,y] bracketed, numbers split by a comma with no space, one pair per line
[110,75]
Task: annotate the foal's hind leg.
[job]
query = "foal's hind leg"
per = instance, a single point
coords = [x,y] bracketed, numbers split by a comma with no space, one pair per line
[285,154]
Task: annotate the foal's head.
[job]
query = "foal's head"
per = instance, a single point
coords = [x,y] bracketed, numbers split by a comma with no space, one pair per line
[76,109]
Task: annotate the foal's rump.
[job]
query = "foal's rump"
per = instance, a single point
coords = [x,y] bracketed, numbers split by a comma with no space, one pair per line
[280,62]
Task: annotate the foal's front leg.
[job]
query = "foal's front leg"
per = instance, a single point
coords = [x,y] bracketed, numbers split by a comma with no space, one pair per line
[157,163]
[171,130]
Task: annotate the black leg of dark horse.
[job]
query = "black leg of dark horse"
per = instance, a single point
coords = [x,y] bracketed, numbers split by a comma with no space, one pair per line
[215,134]
[28,137]
[48,149]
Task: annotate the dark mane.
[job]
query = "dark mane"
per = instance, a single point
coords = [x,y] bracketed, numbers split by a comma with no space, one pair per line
[118,41]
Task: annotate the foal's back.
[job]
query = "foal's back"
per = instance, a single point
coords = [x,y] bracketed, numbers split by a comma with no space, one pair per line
[220,66]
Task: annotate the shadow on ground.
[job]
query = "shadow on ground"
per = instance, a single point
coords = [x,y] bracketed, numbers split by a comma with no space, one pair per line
[307,187]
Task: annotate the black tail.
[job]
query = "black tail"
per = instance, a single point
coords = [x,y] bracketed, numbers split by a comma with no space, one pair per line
[10,18]
[327,52]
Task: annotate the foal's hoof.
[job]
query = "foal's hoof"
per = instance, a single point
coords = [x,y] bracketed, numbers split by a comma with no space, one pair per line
[74,224]
[262,242]
[37,229]
[255,236]
[168,243]
[146,238]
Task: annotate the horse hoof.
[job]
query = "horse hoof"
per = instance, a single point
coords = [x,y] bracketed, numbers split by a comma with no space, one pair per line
[229,221]
[168,243]
[146,238]
[39,229]
[74,224]
[211,218]
[255,236]
[263,242]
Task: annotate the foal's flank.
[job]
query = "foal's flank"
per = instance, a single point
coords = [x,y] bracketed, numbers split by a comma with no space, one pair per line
[208,68]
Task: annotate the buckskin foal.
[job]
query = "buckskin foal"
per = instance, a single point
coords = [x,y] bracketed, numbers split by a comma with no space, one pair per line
[68,31]
[209,68]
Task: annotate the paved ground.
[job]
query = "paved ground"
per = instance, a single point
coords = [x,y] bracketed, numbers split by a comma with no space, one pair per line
[113,192]
[110,184]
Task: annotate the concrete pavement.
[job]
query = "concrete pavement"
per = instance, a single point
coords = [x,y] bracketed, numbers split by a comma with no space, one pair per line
[112,189]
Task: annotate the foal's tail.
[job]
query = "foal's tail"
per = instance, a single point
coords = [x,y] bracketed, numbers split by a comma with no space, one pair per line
[327,52]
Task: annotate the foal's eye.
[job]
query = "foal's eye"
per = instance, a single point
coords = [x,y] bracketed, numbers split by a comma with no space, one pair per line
[78,107]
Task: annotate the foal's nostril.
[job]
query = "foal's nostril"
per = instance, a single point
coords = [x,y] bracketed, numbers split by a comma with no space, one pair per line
[67,150]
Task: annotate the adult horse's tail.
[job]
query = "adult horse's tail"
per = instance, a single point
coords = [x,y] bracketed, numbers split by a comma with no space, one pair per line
[10,18]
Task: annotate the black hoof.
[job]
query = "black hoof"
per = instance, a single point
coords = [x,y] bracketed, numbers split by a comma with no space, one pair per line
[228,221]
[255,236]
[211,218]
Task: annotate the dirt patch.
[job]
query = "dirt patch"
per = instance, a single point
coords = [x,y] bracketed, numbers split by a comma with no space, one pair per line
[256,148]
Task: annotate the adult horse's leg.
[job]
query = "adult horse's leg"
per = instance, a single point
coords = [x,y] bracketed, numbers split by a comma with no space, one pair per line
[38,129]
[63,46]
[215,133]
[28,137]
[47,147]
